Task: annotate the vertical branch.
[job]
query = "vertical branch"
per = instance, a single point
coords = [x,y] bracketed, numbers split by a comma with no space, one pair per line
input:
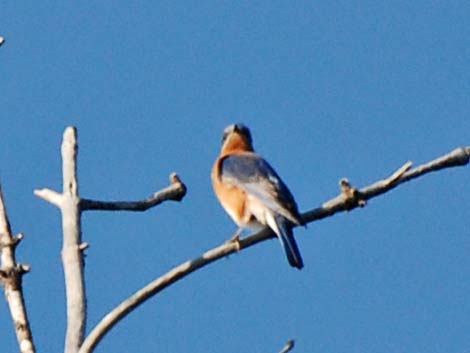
[72,249]
[71,206]
[11,277]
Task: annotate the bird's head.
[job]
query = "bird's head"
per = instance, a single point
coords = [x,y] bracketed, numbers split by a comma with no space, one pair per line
[236,137]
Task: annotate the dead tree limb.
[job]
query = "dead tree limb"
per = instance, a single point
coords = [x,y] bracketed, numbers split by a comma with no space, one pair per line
[72,206]
[11,274]
[348,199]
[174,192]
[72,248]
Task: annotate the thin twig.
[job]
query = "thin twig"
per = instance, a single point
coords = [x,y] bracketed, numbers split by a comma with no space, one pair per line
[11,274]
[392,179]
[340,203]
[175,192]
[50,196]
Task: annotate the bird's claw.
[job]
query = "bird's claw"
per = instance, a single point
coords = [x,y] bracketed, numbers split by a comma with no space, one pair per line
[235,239]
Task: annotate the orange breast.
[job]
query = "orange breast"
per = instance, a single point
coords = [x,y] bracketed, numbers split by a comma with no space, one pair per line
[233,199]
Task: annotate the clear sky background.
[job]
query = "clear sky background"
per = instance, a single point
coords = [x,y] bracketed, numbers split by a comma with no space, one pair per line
[329,90]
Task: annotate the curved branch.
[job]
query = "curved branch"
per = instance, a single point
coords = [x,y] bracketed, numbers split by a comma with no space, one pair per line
[349,198]
[175,192]
[11,274]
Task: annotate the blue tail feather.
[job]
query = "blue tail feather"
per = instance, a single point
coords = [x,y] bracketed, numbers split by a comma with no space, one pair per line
[288,242]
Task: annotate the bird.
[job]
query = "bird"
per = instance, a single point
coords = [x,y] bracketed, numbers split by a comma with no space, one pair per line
[252,193]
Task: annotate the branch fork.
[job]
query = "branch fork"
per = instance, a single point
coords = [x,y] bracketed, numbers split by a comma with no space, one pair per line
[72,205]
[351,196]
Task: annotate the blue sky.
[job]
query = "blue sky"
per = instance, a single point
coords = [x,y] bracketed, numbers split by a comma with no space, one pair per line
[329,90]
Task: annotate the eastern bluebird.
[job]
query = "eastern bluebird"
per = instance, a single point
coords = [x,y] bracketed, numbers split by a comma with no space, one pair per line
[252,193]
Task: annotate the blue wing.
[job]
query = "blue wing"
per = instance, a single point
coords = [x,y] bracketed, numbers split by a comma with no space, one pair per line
[255,176]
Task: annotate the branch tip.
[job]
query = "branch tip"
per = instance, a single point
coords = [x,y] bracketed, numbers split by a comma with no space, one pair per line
[83,246]
[174,178]
[176,181]
[288,346]
[50,196]
[70,134]
[344,182]
[17,239]
[23,268]
[26,345]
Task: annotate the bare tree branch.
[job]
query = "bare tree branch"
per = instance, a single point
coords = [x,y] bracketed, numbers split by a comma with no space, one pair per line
[458,157]
[72,247]
[349,199]
[71,206]
[174,192]
[50,196]
[72,254]
[288,347]
[11,277]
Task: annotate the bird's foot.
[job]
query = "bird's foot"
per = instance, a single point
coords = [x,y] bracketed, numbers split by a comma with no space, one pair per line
[235,239]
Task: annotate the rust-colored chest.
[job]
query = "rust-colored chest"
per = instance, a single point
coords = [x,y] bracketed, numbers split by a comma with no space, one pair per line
[232,198]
